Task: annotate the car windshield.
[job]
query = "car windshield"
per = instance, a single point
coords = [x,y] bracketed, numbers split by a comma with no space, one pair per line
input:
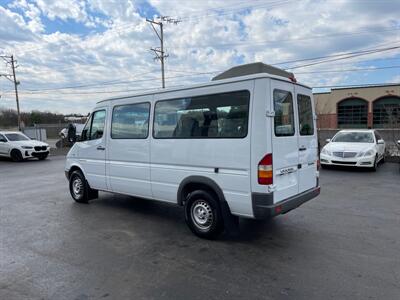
[15,137]
[353,137]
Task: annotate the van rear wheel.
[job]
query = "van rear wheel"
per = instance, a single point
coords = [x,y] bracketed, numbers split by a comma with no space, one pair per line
[203,214]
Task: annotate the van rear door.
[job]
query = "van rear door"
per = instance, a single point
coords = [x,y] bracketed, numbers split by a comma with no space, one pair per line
[284,141]
[308,146]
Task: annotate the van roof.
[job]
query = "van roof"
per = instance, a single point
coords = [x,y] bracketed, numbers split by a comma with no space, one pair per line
[235,74]
[254,68]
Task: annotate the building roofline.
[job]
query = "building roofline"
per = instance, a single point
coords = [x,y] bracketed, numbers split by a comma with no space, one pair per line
[366,86]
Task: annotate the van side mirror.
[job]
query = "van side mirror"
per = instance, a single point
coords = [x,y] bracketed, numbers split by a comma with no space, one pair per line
[380,141]
[83,136]
[328,140]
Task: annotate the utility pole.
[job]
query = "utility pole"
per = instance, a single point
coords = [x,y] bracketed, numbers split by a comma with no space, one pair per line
[16,91]
[10,60]
[159,52]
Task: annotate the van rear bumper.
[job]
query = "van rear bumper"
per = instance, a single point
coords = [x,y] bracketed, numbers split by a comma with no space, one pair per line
[264,207]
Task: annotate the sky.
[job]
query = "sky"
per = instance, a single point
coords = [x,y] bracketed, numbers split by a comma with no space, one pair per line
[71,54]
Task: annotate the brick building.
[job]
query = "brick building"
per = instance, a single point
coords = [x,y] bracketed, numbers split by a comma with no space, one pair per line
[359,107]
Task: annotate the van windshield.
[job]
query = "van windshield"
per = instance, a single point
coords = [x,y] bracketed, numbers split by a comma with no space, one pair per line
[353,137]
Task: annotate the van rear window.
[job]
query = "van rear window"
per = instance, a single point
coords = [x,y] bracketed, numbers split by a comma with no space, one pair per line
[222,115]
[284,117]
[306,121]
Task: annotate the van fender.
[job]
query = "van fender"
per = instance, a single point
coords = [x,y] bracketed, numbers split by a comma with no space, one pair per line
[230,221]
[75,165]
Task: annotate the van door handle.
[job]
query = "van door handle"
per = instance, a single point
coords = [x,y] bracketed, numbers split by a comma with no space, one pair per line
[101,148]
[302,148]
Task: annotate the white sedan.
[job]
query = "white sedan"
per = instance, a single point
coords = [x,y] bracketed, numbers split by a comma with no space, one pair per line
[359,148]
[18,147]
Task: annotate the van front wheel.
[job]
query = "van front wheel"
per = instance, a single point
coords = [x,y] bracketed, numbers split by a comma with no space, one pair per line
[203,214]
[78,187]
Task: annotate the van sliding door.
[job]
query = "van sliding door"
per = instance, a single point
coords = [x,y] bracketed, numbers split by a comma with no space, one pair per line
[284,141]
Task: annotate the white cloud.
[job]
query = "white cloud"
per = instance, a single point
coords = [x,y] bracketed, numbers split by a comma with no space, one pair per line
[66,9]
[250,31]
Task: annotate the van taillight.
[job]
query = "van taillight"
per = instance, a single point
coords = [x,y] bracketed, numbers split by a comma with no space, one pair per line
[265,174]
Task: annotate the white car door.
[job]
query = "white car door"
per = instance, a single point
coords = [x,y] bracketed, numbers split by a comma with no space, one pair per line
[128,157]
[284,141]
[4,145]
[92,150]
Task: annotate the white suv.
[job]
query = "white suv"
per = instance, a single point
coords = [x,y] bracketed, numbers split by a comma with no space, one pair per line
[18,147]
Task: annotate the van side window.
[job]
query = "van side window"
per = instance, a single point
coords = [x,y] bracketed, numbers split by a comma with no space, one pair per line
[97,127]
[130,121]
[305,115]
[284,116]
[222,115]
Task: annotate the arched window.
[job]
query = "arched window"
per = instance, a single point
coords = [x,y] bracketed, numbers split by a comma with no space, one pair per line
[352,113]
[387,112]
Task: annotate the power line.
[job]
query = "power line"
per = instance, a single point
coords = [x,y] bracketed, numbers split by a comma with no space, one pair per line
[349,70]
[346,55]
[114,91]
[248,43]
[191,74]
[111,82]
[351,55]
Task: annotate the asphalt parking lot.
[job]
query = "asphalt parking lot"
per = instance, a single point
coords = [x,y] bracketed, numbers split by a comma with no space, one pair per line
[343,245]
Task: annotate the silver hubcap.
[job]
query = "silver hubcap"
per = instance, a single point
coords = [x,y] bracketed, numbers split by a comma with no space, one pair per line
[202,214]
[77,187]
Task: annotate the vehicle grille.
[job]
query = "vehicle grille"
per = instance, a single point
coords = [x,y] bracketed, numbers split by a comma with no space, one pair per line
[40,148]
[345,154]
[344,162]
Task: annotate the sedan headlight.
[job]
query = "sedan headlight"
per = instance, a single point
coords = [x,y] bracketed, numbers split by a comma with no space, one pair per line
[369,152]
[326,152]
[26,147]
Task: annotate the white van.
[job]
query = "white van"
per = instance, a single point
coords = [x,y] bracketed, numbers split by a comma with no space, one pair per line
[243,145]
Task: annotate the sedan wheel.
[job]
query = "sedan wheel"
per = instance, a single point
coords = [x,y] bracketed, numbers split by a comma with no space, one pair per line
[16,155]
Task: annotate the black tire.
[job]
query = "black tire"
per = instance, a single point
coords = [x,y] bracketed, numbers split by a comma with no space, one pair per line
[203,214]
[79,188]
[43,157]
[16,155]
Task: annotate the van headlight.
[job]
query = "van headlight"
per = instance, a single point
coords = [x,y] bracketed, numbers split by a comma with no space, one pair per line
[326,152]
